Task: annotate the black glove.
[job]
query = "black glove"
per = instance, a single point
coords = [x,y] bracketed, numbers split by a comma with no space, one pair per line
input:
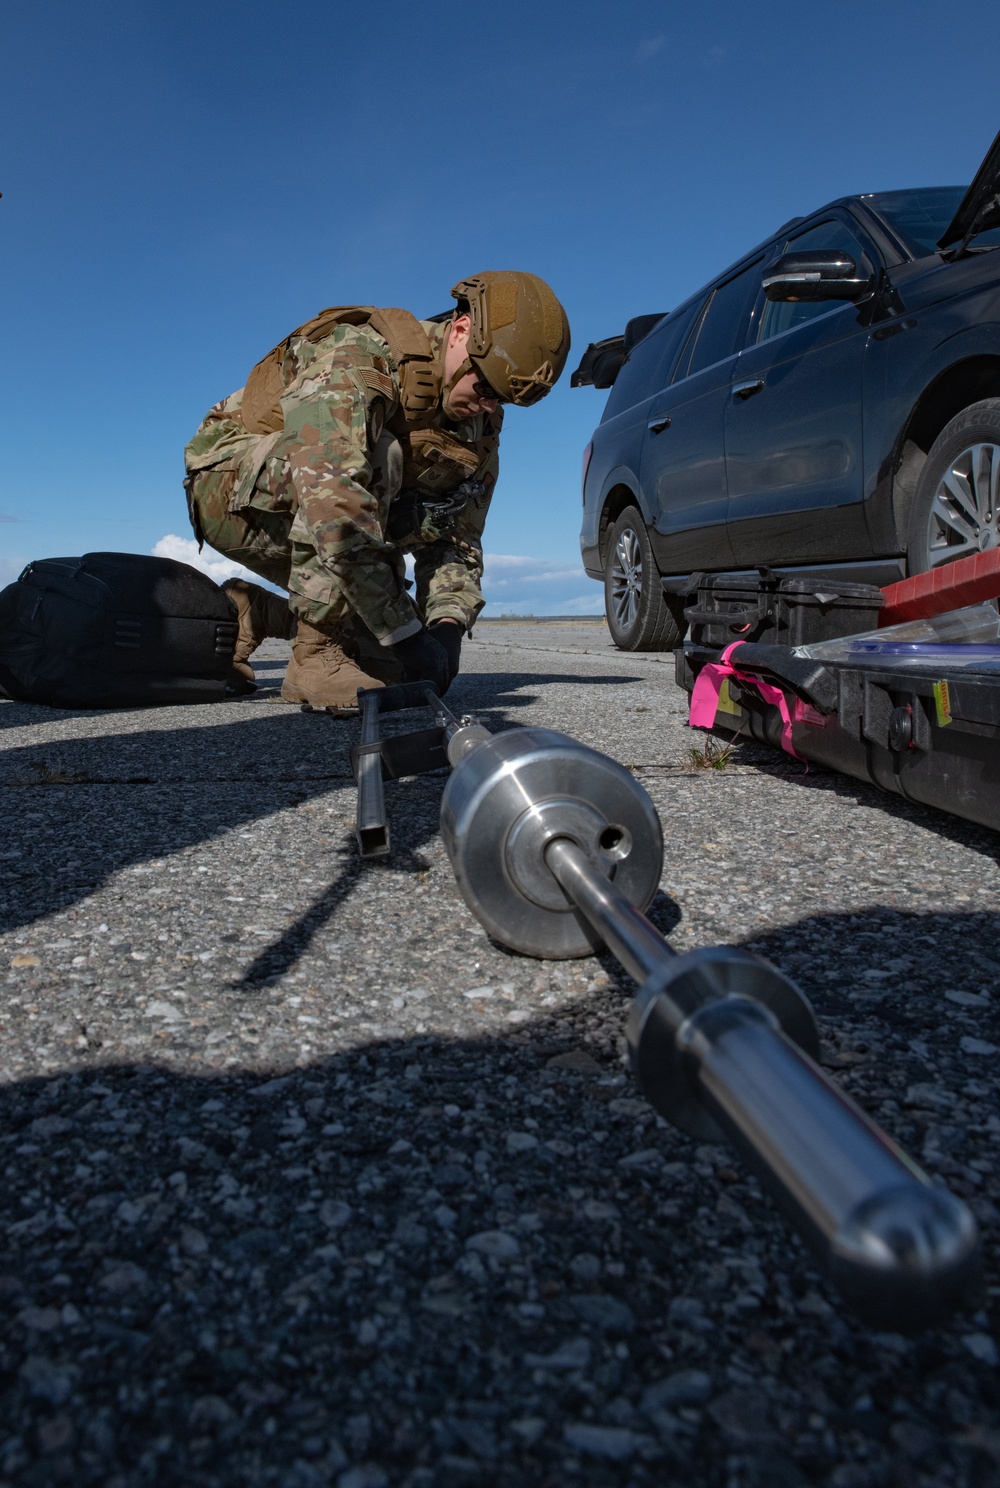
[424,660]
[449,635]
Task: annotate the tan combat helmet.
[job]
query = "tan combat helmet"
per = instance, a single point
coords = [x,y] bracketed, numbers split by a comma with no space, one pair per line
[519,339]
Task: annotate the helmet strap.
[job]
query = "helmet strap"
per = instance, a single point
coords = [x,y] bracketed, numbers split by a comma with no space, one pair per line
[463,370]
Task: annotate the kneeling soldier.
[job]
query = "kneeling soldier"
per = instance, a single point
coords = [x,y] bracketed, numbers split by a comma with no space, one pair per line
[367,434]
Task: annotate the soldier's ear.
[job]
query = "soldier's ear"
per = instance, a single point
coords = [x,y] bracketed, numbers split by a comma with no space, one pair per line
[460,328]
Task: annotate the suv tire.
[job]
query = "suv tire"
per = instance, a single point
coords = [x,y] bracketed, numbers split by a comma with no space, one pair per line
[955,504]
[640,616]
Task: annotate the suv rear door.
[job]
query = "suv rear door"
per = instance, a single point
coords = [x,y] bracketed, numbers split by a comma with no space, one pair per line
[794,466]
[682,466]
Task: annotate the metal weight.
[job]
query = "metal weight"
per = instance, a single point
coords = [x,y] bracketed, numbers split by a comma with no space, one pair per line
[557,850]
[516,792]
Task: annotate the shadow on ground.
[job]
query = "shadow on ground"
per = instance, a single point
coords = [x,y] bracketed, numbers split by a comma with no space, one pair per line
[115,800]
[482,1261]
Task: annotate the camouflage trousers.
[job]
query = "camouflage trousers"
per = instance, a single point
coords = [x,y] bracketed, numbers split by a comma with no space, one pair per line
[261,536]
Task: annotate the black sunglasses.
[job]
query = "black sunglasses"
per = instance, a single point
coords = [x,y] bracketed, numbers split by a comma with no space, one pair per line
[482,389]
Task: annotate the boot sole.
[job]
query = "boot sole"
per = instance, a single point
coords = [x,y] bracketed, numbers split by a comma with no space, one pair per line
[345,710]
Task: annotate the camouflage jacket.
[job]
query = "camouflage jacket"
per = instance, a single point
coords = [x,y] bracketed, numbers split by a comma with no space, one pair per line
[328,468]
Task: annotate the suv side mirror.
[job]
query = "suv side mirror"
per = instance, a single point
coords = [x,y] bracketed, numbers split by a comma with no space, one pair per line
[823,274]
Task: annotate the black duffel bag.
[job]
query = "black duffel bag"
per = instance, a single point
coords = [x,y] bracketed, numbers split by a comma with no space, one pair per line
[115,630]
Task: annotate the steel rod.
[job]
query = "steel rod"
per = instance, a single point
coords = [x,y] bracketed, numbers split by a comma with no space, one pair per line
[372,829]
[625,931]
[896,1245]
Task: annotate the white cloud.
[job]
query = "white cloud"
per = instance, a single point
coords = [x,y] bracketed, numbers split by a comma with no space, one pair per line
[513,583]
[185,550]
[651,47]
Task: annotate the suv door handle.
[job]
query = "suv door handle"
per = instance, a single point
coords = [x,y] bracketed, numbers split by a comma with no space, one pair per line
[744,390]
[658,424]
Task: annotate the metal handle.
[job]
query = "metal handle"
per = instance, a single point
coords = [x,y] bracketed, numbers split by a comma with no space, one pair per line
[658,424]
[744,390]
[372,829]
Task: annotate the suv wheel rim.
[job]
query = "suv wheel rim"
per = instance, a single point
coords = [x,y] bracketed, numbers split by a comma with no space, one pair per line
[963,517]
[626,579]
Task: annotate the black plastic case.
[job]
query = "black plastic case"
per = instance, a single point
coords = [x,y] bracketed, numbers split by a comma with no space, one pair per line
[929,733]
[786,612]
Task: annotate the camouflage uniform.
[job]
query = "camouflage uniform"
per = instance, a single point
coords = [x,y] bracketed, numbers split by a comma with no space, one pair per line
[310,507]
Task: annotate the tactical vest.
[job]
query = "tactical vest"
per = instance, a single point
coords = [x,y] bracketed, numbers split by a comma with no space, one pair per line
[419,373]
[433,458]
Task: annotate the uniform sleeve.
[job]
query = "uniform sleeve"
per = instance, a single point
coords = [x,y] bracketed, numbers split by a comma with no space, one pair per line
[328,409]
[449,571]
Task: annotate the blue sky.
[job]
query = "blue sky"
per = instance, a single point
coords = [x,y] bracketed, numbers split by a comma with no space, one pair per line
[182,184]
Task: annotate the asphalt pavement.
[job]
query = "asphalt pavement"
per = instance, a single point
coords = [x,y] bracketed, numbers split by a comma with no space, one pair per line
[307,1182]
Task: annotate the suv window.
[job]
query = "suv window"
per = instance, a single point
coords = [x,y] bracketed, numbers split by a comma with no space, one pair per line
[724,320]
[650,362]
[783,315]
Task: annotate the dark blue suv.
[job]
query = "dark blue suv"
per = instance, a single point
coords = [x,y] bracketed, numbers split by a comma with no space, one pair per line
[830,405]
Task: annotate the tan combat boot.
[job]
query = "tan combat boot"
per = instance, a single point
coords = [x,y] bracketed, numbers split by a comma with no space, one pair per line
[322,674]
[261,614]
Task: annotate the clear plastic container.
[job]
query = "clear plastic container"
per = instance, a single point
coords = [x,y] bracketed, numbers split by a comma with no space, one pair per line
[956,634]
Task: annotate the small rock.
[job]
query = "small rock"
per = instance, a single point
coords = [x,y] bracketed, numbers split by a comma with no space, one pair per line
[47,1380]
[742,1414]
[521,1142]
[574,1354]
[684,1387]
[476,994]
[24,960]
[685,1309]
[605,1313]
[813,1305]
[497,1245]
[122,1277]
[450,1175]
[42,1319]
[270,1088]
[444,1217]
[50,1126]
[598,1209]
[577,1060]
[982,1347]
[648,1157]
[478,1436]
[165,1010]
[56,1435]
[929,1096]
[977,1046]
[616,1443]
[411,1234]
[192,1241]
[367,1475]
[334,1213]
[528,1428]
[212,1410]
[585,1266]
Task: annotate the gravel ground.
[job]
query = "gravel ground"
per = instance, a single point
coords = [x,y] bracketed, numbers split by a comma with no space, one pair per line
[307,1182]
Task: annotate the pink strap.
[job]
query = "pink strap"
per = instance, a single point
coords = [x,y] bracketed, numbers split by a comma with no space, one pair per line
[708,685]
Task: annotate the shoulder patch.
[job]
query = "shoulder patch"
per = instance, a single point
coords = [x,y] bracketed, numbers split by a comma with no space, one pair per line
[379,382]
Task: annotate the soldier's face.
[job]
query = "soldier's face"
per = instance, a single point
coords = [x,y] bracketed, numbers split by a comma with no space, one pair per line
[464,399]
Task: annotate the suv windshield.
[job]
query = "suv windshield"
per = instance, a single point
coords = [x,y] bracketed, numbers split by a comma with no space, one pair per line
[919,218]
